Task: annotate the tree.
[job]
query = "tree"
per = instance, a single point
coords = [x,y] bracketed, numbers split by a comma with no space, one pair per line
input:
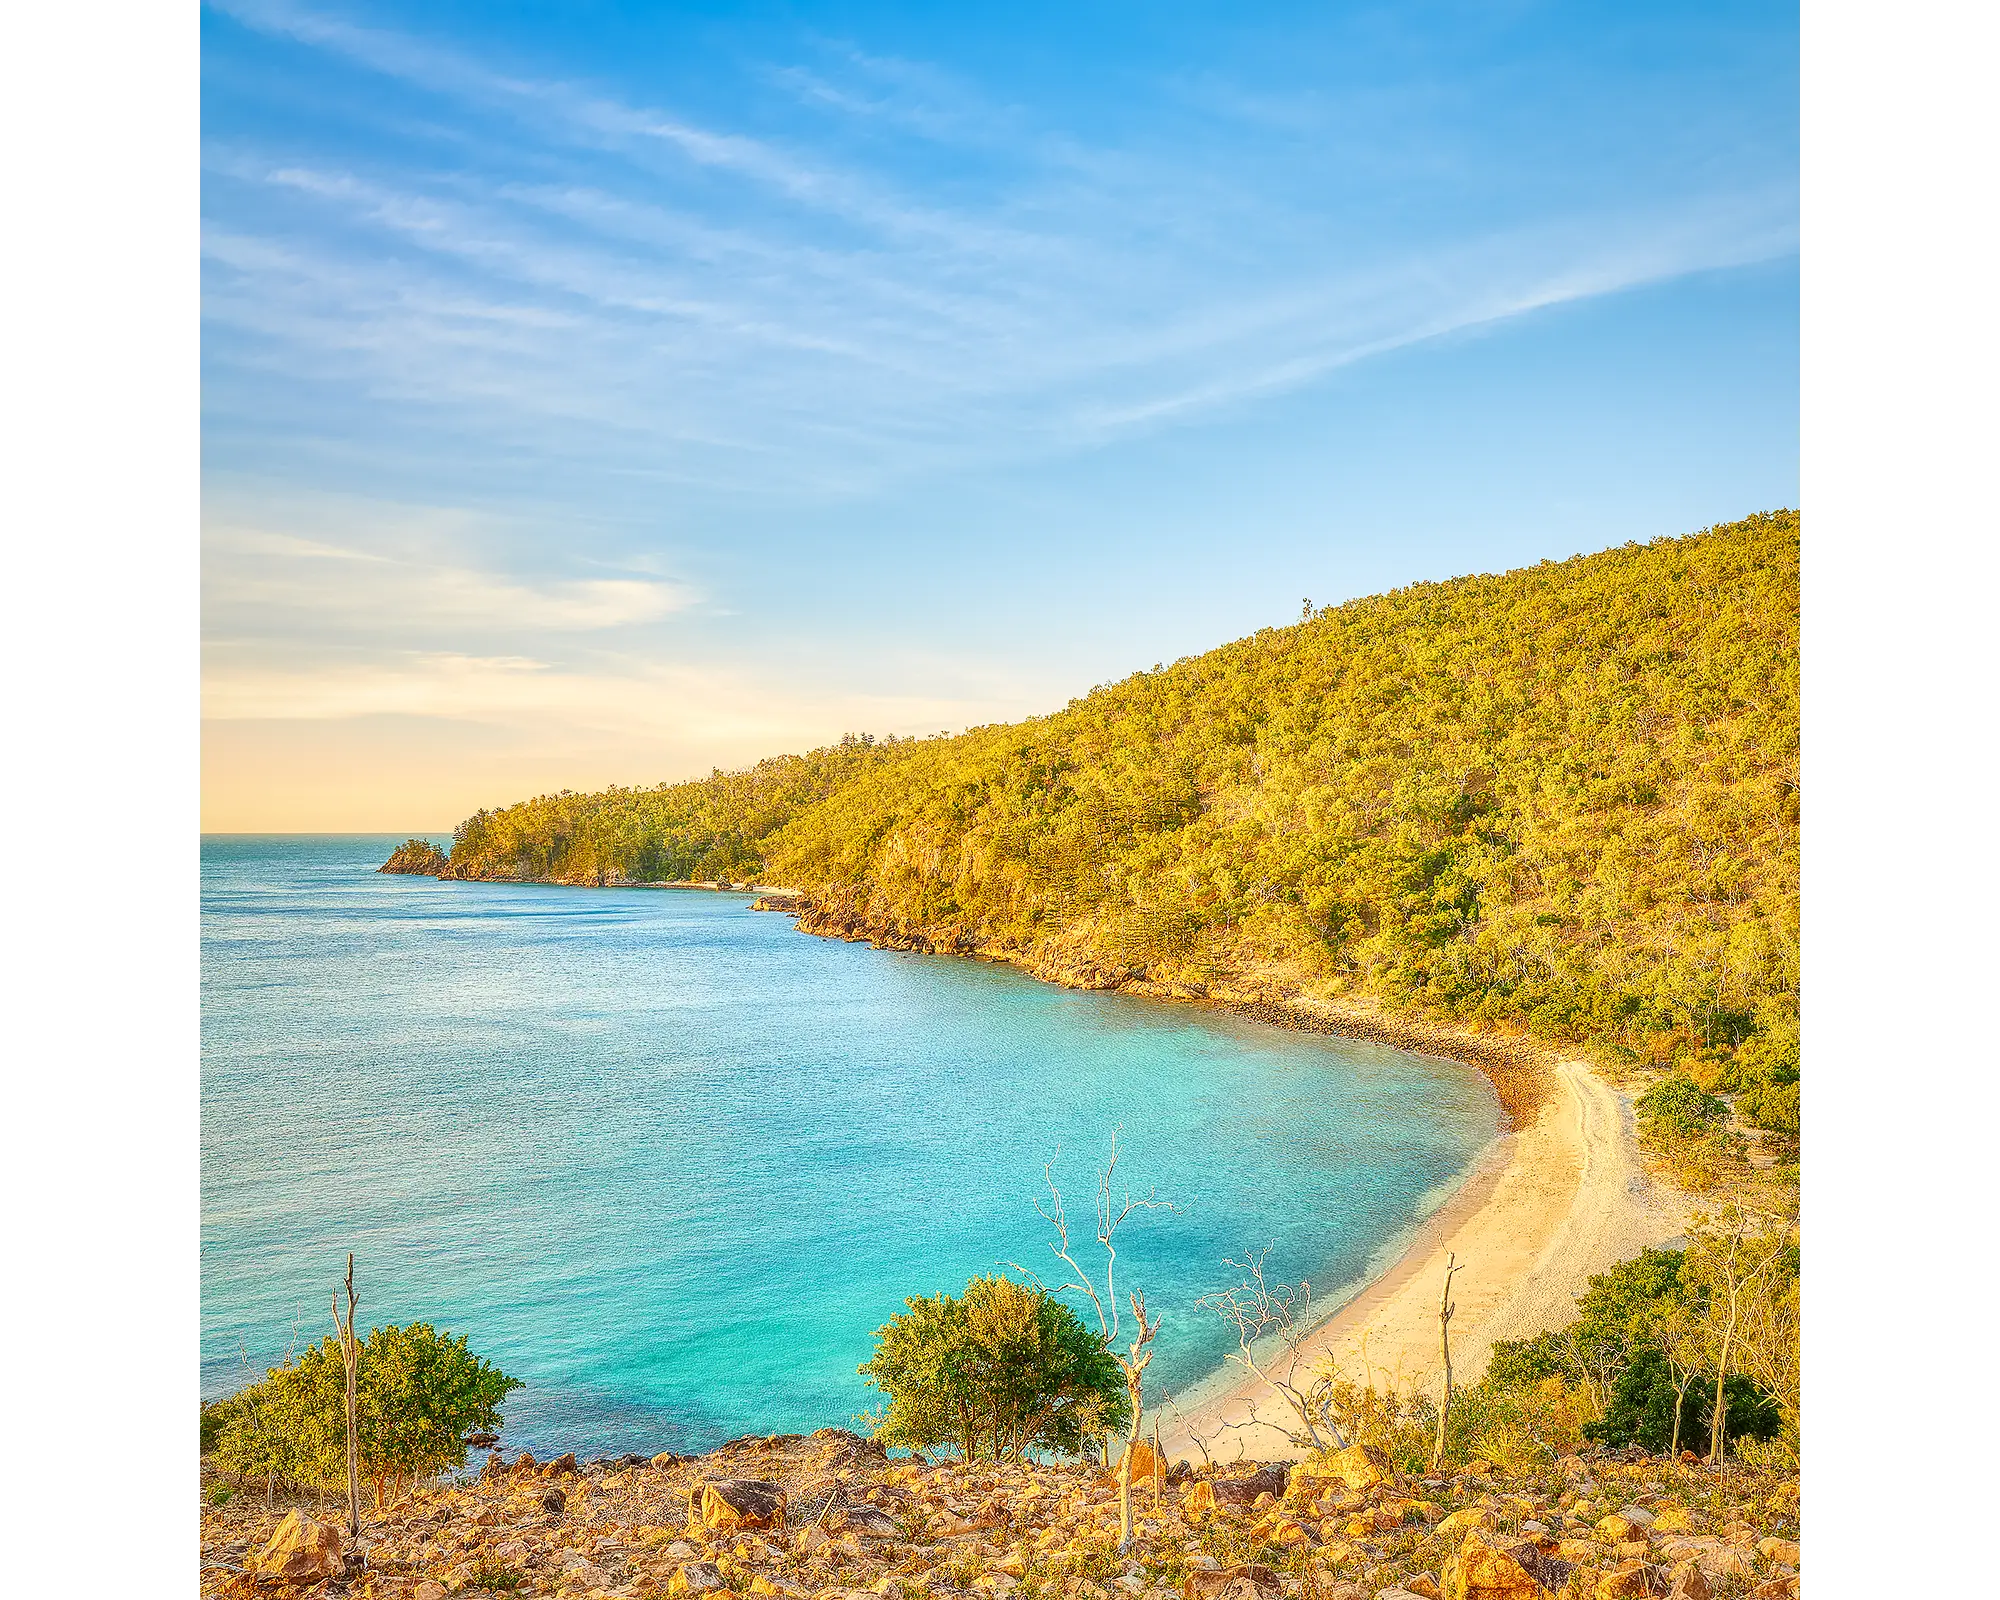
[1737,1264]
[1001,1371]
[1111,1215]
[1445,1309]
[1277,1318]
[418,1394]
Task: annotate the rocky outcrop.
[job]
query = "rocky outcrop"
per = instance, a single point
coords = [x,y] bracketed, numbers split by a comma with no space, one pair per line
[417,858]
[828,1518]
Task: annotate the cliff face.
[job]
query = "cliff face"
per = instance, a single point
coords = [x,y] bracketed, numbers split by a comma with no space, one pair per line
[419,858]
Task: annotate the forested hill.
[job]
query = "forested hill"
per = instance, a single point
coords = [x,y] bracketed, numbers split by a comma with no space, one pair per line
[1562,799]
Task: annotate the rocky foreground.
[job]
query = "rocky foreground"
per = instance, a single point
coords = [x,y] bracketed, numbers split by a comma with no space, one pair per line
[827,1517]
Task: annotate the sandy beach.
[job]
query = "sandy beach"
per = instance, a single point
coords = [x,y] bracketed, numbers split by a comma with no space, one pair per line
[1561,1197]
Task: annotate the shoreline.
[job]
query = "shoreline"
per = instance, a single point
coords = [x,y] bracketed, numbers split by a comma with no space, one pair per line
[1559,1195]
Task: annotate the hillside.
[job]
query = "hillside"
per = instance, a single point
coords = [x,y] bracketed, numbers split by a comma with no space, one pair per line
[1561,801]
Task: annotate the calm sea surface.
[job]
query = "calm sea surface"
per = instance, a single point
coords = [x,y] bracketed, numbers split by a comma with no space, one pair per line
[671,1162]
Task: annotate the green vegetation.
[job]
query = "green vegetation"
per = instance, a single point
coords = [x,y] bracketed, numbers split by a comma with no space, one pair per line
[1561,801]
[415,856]
[420,1392]
[1004,1370]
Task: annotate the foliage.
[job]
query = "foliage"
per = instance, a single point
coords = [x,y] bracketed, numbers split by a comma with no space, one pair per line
[1004,1370]
[418,1394]
[1518,1429]
[416,856]
[1562,800]
[1678,1105]
[1645,1396]
[1620,1311]
[1401,1424]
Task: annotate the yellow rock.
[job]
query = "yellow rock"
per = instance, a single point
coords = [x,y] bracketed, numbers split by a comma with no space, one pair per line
[1673,1519]
[1359,1466]
[1480,1572]
[1199,1501]
[1783,1551]
[300,1551]
[1468,1519]
[1629,1580]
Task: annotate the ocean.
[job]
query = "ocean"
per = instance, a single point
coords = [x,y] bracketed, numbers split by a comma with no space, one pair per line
[671,1162]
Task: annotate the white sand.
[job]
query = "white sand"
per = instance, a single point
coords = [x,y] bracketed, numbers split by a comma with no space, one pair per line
[1548,1206]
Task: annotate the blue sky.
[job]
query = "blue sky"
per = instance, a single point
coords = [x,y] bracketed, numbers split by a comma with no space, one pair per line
[604,393]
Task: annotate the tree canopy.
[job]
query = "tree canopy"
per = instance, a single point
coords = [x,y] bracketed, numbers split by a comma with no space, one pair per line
[1562,800]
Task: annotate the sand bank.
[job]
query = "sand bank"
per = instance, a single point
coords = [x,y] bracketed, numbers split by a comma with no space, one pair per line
[1560,1197]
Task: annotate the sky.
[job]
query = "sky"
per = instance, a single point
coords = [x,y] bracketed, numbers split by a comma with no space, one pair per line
[608,393]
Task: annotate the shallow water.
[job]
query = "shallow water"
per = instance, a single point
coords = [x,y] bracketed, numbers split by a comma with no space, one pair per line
[670,1161]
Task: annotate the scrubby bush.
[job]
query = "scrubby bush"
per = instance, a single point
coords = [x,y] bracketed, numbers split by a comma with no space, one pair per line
[1645,1398]
[1004,1370]
[1680,1107]
[418,1394]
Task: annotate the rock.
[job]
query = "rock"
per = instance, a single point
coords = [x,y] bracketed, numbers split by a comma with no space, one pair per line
[1481,1571]
[1777,1589]
[553,1500]
[580,1572]
[1395,1593]
[525,1461]
[666,1459]
[1638,1516]
[1359,1466]
[1631,1580]
[1478,1469]
[1269,1480]
[1690,1583]
[1249,1580]
[564,1463]
[1145,1465]
[429,1590]
[1617,1528]
[1198,1501]
[696,1577]
[1425,1585]
[1785,1552]
[865,1522]
[723,1505]
[1466,1519]
[300,1551]
[1673,1519]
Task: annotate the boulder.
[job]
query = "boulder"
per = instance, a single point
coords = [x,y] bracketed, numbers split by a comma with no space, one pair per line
[723,1505]
[300,1551]
[1632,1580]
[553,1500]
[1777,1589]
[1425,1585]
[864,1522]
[1481,1571]
[1690,1583]
[1783,1551]
[525,1461]
[1359,1466]
[1467,1519]
[1248,1580]
[666,1459]
[1269,1480]
[1617,1528]
[1199,1500]
[564,1463]
[1146,1466]
[429,1589]
[696,1577]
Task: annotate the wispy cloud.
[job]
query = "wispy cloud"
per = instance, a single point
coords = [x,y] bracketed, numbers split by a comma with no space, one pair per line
[1057,304]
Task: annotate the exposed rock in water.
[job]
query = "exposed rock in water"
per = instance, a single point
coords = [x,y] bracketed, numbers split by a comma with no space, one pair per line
[418,858]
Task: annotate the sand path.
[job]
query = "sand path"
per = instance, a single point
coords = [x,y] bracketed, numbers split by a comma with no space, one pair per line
[1548,1206]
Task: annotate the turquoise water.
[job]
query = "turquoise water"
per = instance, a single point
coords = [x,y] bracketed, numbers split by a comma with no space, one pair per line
[670,1161]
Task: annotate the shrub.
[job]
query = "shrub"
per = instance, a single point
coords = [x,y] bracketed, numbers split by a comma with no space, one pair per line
[1642,1409]
[1677,1105]
[418,1394]
[1774,1107]
[1005,1370]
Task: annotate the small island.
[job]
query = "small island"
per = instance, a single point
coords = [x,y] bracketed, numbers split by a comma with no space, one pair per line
[417,857]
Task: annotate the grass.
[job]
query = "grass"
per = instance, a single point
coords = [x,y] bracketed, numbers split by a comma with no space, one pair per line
[496,1579]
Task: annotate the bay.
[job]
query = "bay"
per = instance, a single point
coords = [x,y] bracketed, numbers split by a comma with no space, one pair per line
[670,1161]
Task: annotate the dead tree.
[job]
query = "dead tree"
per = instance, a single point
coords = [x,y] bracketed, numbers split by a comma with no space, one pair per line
[1261,1313]
[1111,1213]
[350,1359]
[1445,1309]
